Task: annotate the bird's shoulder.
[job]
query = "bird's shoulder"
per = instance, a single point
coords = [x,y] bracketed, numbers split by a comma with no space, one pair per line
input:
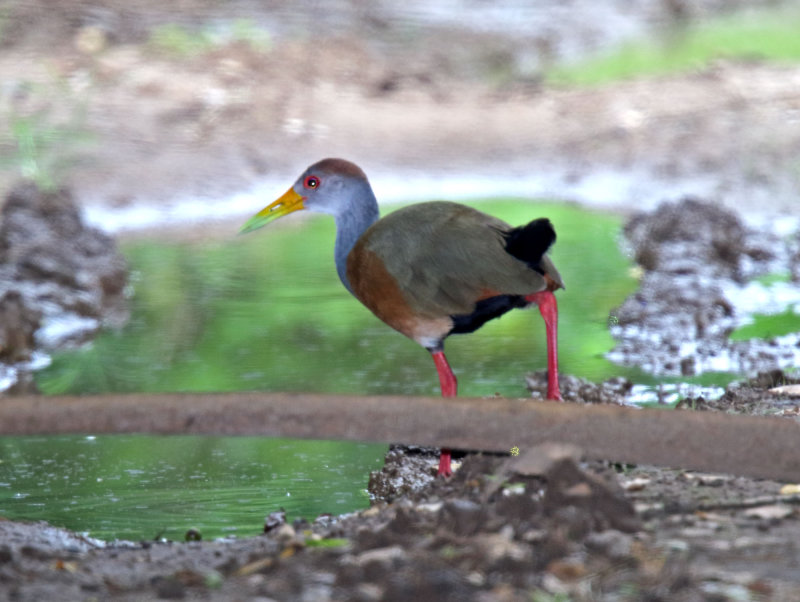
[420,226]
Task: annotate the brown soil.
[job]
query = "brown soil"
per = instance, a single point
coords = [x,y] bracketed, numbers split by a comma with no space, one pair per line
[218,121]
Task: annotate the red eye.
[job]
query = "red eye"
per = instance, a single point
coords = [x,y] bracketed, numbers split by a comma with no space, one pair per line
[311,182]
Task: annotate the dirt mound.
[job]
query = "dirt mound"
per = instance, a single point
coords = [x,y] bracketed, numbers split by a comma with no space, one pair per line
[59,278]
[580,390]
[698,260]
[769,393]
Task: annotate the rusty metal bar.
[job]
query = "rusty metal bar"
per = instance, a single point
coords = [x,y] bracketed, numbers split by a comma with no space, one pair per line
[744,445]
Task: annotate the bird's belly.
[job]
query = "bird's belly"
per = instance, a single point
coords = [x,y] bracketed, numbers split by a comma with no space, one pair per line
[427,331]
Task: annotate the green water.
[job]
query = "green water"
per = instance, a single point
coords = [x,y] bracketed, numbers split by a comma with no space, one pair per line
[140,487]
[266,312]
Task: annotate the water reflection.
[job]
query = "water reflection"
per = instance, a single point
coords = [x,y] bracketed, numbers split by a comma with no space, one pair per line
[140,487]
[267,312]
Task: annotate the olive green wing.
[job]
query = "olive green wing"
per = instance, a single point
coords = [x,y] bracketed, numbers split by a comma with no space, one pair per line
[445,257]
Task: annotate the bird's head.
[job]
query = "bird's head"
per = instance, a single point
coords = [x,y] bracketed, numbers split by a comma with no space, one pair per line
[328,186]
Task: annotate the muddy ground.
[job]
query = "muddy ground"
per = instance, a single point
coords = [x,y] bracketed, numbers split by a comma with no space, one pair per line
[455,100]
[539,526]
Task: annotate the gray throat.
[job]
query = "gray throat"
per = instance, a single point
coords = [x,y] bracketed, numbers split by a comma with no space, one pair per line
[350,225]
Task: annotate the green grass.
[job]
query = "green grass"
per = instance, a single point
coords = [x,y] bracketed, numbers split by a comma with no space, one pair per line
[769,326]
[765,35]
[181,41]
[42,145]
[773,278]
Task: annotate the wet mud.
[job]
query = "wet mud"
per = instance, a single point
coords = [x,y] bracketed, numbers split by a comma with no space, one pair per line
[61,280]
[700,264]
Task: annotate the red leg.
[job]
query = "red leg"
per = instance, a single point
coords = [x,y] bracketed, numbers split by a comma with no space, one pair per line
[548,307]
[449,385]
[444,464]
[447,380]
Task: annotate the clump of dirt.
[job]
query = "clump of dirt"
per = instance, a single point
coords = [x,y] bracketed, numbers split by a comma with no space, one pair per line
[18,323]
[698,259]
[769,393]
[406,469]
[60,280]
[795,261]
[575,389]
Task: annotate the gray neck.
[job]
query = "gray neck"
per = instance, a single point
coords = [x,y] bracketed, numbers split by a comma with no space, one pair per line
[361,213]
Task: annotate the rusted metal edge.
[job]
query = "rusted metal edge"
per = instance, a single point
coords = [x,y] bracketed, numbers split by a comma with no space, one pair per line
[742,445]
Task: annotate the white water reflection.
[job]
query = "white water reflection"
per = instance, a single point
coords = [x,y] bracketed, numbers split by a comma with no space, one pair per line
[605,188]
[670,393]
[757,298]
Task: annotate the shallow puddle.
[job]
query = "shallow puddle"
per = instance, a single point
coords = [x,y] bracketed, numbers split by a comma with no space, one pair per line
[143,487]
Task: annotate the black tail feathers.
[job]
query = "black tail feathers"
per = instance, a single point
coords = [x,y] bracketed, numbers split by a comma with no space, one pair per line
[530,242]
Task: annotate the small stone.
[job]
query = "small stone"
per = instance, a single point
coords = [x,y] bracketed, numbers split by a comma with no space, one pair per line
[462,517]
[90,39]
[612,543]
[369,591]
[476,578]
[386,558]
[636,484]
[284,533]
[534,536]
[6,555]
[499,546]
[707,480]
[274,520]
[770,512]
[597,503]
[538,460]
[168,588]
[790,489]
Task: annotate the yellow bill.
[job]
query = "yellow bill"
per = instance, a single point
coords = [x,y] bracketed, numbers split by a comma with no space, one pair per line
[288,203]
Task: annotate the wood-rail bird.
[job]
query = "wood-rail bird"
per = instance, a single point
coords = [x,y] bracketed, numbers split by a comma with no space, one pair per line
[430,269]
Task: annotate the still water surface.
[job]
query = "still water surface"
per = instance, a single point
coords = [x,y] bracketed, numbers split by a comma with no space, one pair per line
[140,487]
